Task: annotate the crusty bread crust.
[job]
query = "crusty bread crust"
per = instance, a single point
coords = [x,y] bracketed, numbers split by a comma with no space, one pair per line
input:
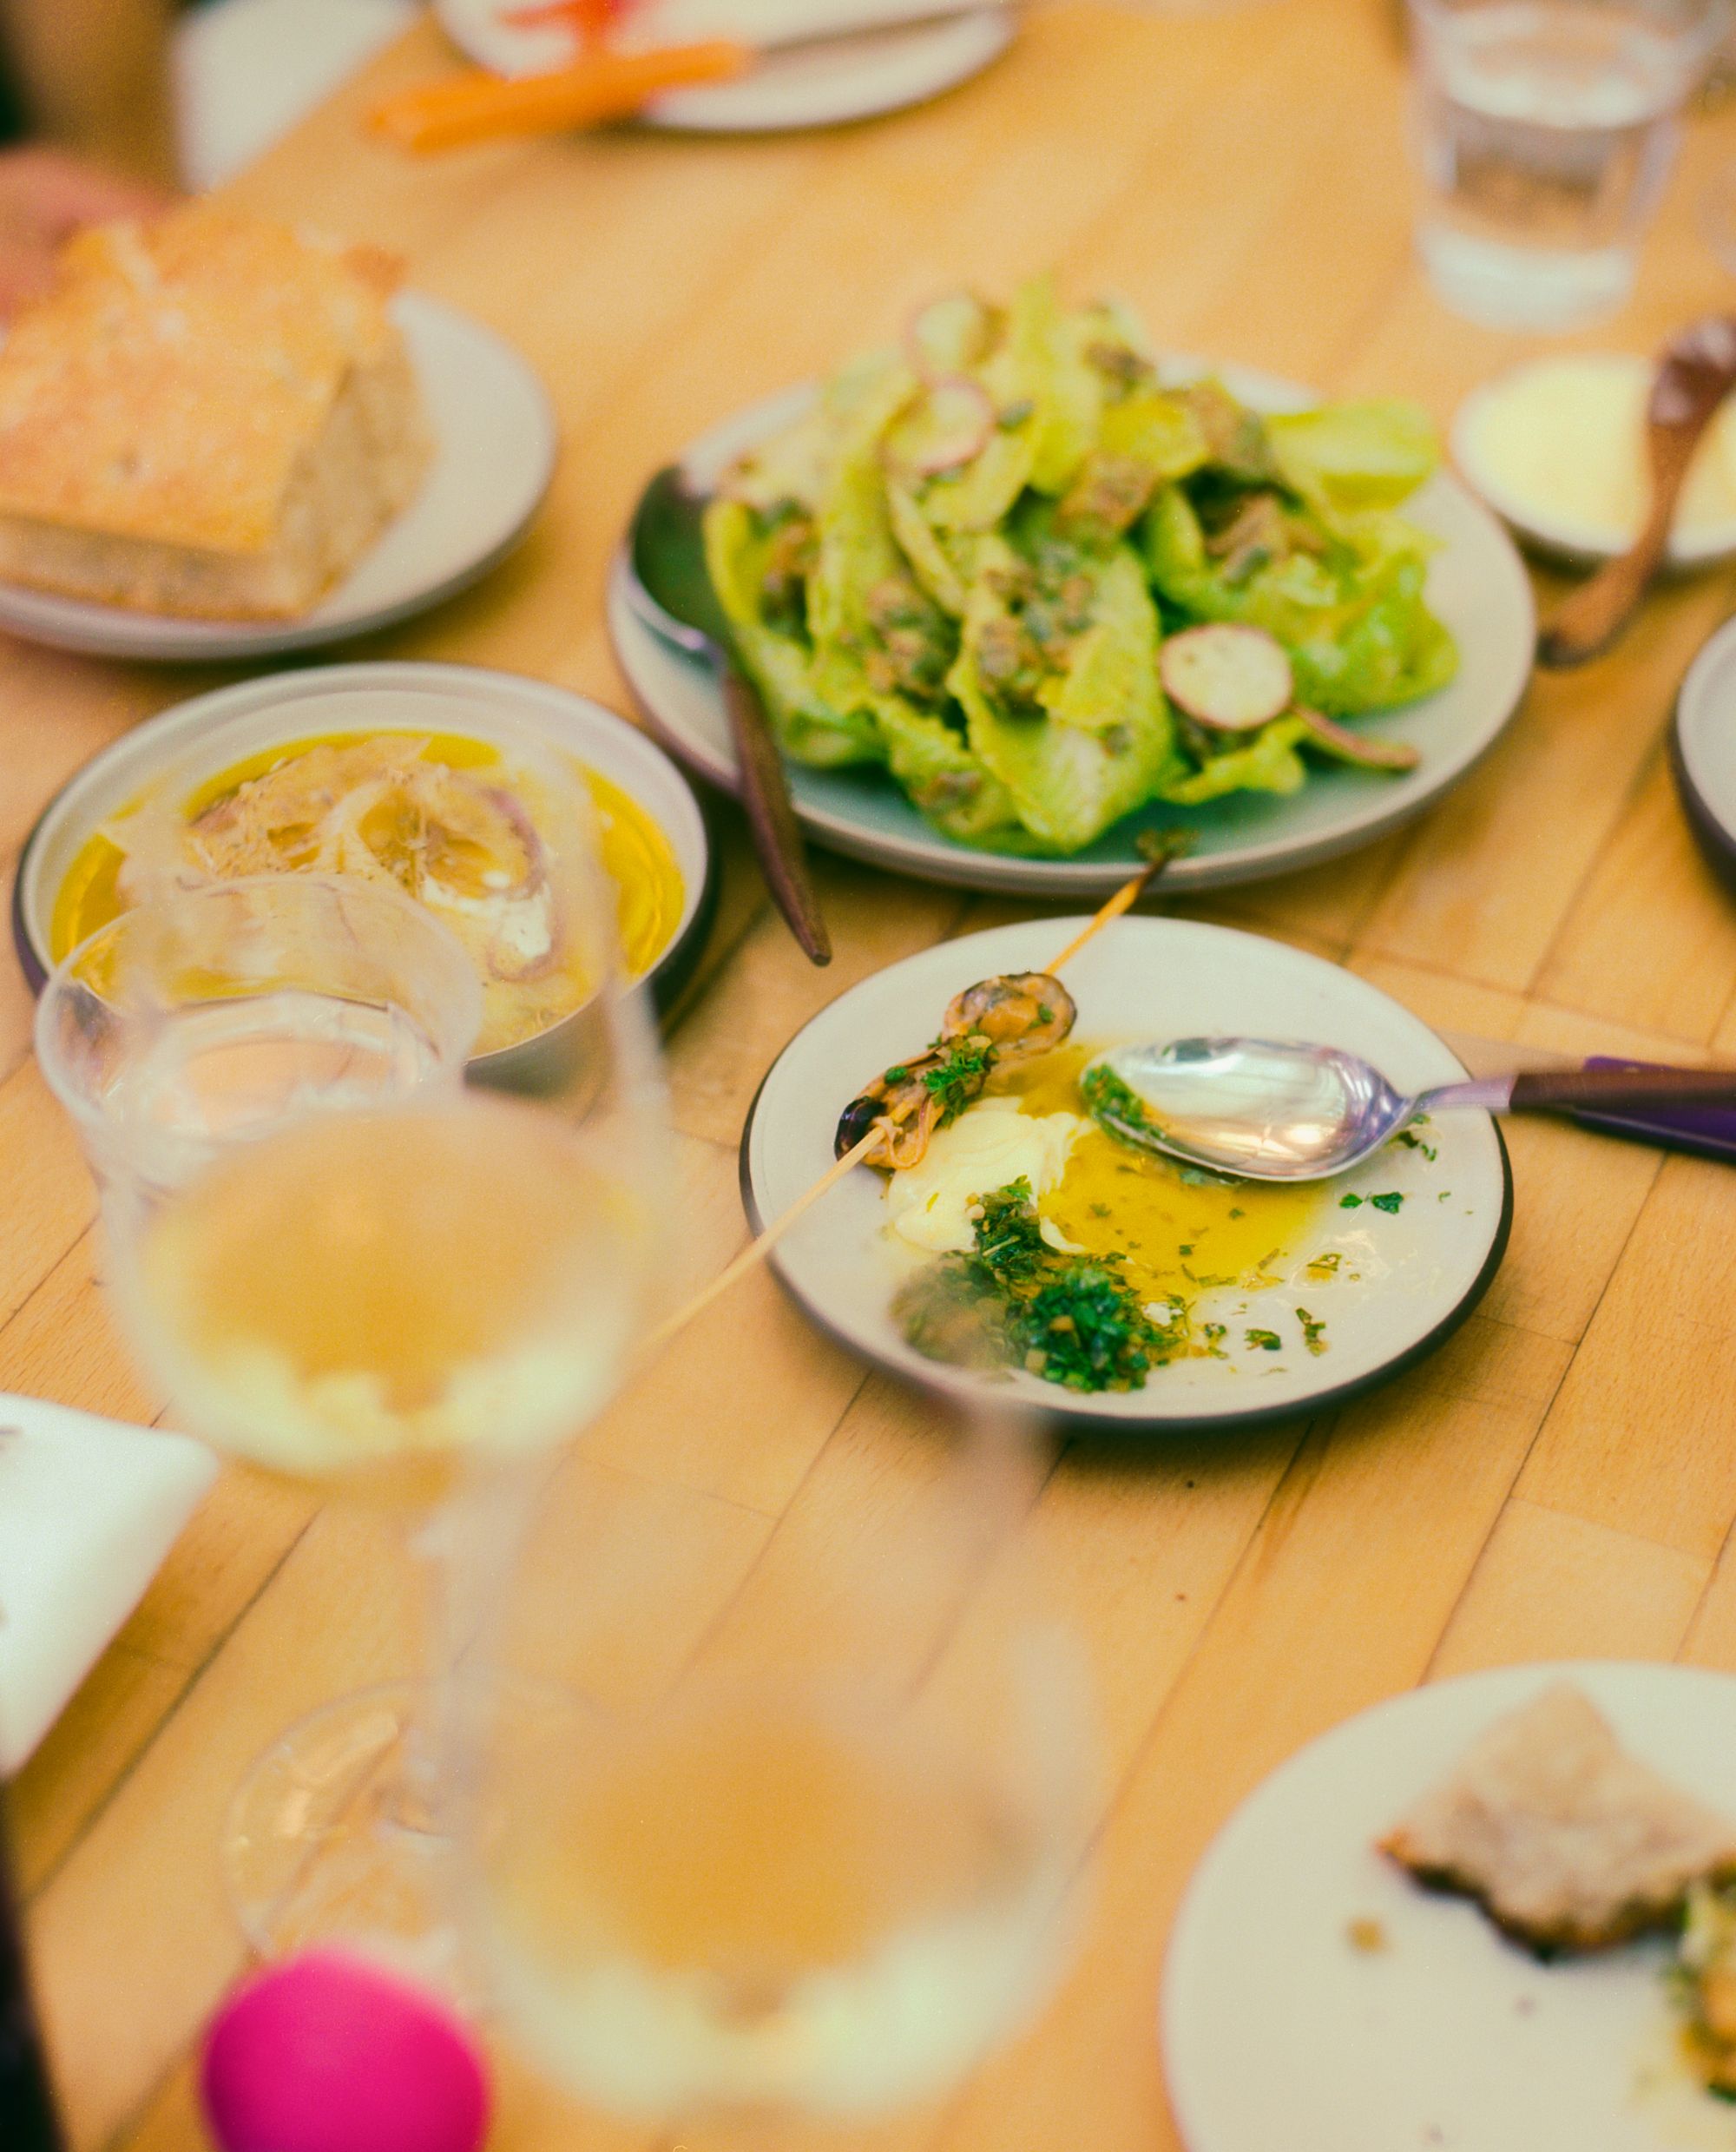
[207,418]
[1567,1842]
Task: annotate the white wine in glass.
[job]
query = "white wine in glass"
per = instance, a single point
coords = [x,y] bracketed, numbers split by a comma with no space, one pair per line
[770,1899]
[389,1294]
[344,1266]
[800,1859]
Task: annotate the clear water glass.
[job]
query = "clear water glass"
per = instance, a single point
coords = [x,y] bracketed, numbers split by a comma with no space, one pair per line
[1543,132]
[224,1011]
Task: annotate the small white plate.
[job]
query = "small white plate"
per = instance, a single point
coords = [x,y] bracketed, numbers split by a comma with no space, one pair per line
[1566,538]
[195,741]
[1423,1267]
[495,447]
[820,85]
[1476,584]
[1277,2032]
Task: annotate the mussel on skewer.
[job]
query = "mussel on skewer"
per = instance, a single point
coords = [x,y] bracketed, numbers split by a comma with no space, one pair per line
[1013,1016]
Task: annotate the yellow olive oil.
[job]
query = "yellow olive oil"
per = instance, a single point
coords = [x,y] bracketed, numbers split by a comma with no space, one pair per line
[635,853]
[1179,1232]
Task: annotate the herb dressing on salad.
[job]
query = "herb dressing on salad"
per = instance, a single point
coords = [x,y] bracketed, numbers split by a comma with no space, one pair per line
[966,561]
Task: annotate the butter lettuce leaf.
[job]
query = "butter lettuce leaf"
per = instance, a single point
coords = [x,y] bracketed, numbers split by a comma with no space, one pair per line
[779,662]
[947,781]
[1047,400]
[1347,457]
[1057,677]
[1268,762]
[937,563]
[1350,609]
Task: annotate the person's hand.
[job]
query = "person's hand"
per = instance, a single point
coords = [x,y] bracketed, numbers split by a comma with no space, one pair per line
[45,196]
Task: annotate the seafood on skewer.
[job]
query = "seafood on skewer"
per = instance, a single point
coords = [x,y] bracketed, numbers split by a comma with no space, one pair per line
[1011,1017]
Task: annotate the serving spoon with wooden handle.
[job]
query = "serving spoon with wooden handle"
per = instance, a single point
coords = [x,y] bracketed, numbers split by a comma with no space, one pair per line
[1695,373]
[669,588]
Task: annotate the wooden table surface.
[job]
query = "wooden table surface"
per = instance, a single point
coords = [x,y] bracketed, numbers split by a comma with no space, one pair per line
[1559,1479]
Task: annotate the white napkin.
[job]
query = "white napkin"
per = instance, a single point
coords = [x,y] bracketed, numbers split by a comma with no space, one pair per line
[89,1508]
[510,48]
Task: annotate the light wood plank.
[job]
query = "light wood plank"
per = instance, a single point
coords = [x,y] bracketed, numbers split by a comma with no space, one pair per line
[1550,1585]
[1639,1438]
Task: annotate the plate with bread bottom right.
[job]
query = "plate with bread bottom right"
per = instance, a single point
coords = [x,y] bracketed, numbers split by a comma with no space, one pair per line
[1494,1914]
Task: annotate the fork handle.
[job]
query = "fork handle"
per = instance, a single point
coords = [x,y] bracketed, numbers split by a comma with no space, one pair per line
[1610,1090]
[1594,1089]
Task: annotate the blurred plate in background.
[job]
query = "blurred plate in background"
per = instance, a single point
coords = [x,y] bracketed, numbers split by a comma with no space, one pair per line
[812,85]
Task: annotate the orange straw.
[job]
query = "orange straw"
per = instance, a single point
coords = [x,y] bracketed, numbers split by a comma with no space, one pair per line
[477,106]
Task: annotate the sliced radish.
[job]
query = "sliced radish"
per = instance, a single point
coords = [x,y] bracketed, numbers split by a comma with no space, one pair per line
[949,334]
[951,424]
[1232,678]
[1344,745]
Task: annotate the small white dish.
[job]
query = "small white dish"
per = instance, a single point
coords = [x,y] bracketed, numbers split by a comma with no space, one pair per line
[1476,584]
[494,450]
[1423,1267]
[1548,531]
[830,84]
[188,745]
[1278,2031]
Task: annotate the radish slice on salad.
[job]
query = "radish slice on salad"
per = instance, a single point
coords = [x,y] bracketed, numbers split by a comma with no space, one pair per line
[950,425]
[949,334]
[1344,745]
[1232,678]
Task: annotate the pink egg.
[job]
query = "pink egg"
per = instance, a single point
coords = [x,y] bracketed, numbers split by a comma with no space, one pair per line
[327,2054]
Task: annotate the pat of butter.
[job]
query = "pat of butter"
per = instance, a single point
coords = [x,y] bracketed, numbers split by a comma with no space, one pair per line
[988,1147]
[1562,444]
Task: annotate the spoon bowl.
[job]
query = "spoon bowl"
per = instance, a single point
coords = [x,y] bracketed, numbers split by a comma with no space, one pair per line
[1279,1109]
[669,588]
[1266,1109]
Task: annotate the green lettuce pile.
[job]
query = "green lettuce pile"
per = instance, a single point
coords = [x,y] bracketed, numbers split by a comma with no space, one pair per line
[962,561]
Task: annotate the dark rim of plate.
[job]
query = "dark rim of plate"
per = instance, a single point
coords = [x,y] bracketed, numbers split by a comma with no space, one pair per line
[1078,1420]
[1714,836]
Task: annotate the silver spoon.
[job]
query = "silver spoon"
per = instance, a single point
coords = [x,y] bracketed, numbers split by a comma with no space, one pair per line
[668,586]
[1272,1109]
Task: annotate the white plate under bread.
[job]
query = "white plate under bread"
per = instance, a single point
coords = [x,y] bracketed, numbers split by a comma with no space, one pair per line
[493,457]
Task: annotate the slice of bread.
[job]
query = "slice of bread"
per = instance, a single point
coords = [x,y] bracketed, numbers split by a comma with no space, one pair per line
[1566,1841]
[207,416]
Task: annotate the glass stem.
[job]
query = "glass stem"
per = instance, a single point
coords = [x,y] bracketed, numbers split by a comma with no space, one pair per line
[460,1550]
[433,1541]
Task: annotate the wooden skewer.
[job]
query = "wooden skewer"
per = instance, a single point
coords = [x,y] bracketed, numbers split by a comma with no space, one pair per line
[1123,900]
[756,1251]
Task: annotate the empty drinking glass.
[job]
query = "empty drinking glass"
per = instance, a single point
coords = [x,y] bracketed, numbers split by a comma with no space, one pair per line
[1544,130]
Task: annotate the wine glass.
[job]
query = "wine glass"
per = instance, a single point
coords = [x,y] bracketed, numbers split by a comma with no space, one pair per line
[360,1273]
[791,1848]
